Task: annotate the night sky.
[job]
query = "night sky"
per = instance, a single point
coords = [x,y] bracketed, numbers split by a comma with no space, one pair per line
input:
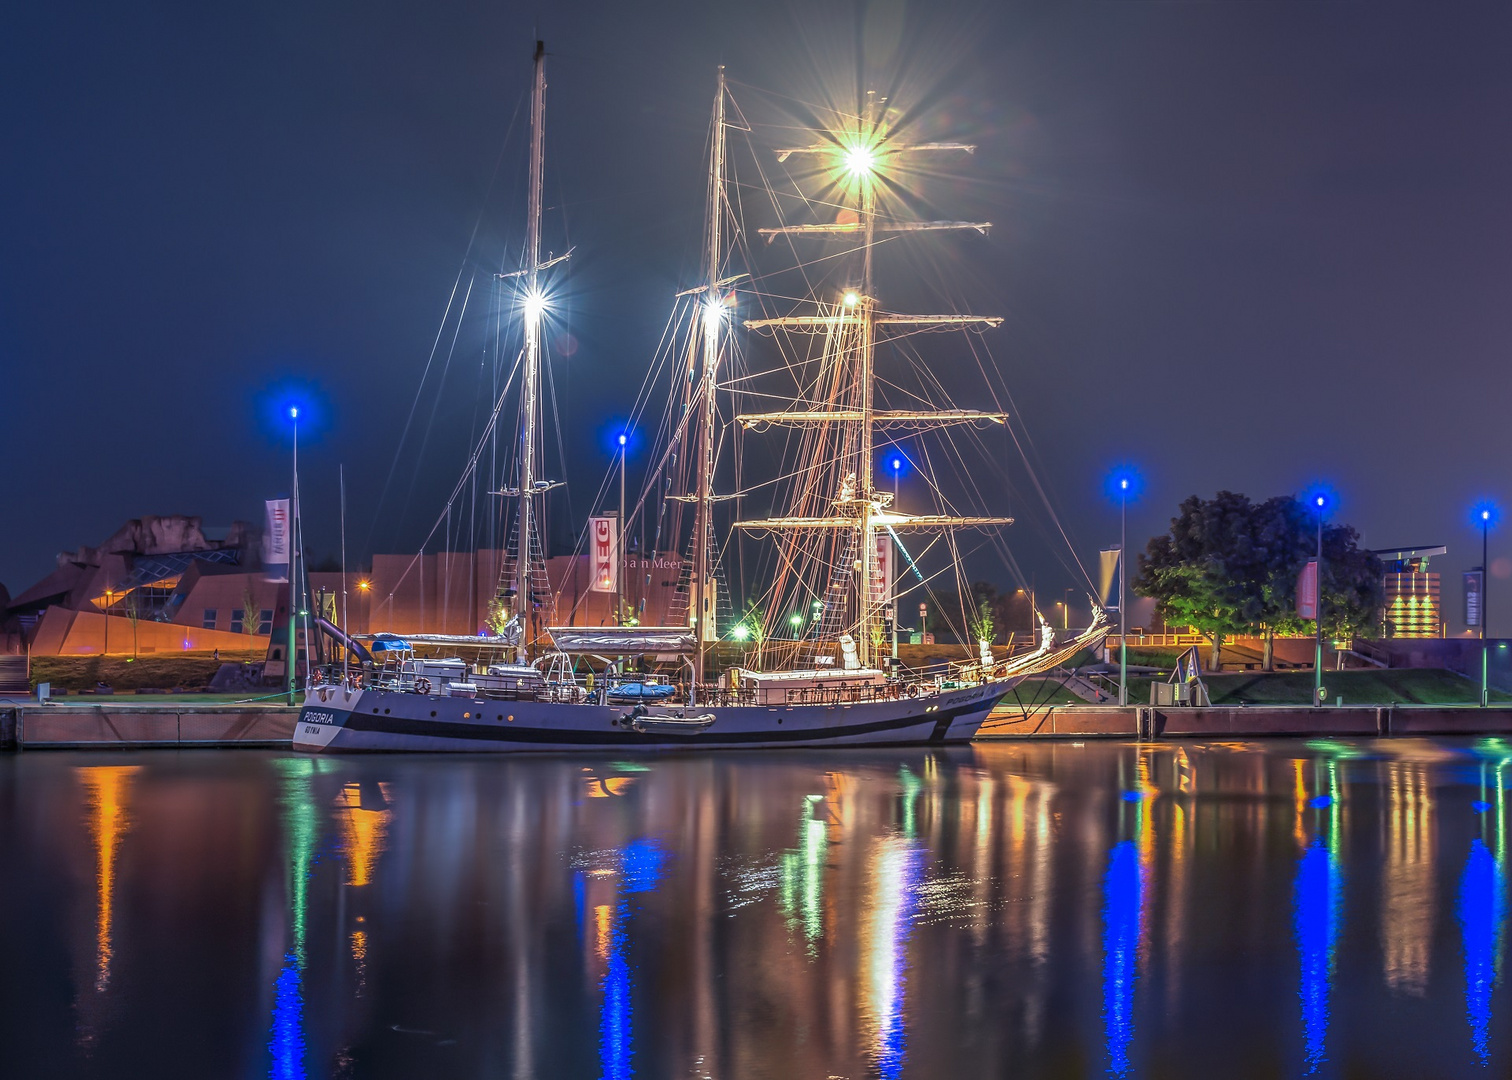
[1242,245]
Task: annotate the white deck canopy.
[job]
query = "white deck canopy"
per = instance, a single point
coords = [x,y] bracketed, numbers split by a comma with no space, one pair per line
[623,640]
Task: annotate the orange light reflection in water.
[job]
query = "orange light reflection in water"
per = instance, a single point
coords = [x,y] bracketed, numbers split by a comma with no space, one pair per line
[365,832]
[108,821]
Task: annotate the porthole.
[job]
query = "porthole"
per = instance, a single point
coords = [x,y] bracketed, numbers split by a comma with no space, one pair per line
[433,712]
[467,716]
[385,712]
[375,709]
[511,718]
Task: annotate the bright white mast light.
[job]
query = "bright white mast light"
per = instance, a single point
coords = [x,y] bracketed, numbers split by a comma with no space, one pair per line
[860,160]
[713,316]
[535,305]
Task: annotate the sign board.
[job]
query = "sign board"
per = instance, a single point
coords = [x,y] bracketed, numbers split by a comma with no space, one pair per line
[1307,591]
[276,535]
[883,578]
[1475,585]
[603,554]
[1108,564]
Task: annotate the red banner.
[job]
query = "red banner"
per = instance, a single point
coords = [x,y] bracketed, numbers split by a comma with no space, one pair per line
[1307,591]
[603,557]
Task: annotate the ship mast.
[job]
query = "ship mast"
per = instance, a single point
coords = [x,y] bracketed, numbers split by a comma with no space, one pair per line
[861,153]
[534,306]
[712,321]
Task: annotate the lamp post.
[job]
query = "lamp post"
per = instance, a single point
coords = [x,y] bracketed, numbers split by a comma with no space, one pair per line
[619,589]
[1485,516]
[897,464]
[292,655]
[1066,604]
[1123,573]
[109,599]
[1320,501]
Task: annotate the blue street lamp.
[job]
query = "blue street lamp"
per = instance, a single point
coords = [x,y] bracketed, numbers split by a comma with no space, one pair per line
[1124,486]
[1320,501]
[292,656]
[619,570]
[1486,515]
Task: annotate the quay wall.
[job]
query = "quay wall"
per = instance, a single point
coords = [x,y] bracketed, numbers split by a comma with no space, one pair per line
[59,727]
[125,727]
[1250,721]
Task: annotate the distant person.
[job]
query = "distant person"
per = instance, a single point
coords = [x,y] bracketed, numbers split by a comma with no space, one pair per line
[215,654]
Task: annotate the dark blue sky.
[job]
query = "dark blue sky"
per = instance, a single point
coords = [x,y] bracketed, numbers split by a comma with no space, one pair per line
[1245,245]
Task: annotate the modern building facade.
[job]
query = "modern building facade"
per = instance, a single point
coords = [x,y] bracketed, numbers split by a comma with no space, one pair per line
[163,584]
[1414,607]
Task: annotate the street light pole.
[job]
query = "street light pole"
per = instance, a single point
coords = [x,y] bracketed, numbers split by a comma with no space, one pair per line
[1318,613]
[1123,573]
[293,557]
[1485,589]
[619,599]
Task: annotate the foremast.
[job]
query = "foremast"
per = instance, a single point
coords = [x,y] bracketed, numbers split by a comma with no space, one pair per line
[859,505]
[712,323]
[534,305]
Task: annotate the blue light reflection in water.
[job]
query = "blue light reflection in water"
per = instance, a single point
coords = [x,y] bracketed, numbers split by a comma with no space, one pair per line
[1482,909]
[296,799]
[1123,910]
[898,866]
[287,1040]
[1316,899]
[641,864]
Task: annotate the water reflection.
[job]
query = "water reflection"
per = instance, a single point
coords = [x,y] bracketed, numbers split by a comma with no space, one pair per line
[1317,911]
[296,802]
[1482,909]
[896,865]
[1013,910]
[106,788]
[637,869]
[1407,878]
[1123,906]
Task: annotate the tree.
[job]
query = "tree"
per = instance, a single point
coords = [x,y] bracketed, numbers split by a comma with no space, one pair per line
[1280,537]
[1202,573]
[251,614]
[1353,585]
[1230,566]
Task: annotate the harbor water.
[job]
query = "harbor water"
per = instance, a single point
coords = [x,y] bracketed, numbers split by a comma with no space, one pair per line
[1269,908]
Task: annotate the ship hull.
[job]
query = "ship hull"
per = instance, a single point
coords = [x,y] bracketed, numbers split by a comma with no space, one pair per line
[335,720]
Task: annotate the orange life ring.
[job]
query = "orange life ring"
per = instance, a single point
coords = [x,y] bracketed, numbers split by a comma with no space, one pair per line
[422,685]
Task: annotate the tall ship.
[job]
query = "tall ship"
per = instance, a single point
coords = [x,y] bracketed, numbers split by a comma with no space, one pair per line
[809,656]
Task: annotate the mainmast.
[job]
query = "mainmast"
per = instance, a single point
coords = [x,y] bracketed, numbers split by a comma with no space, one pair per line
[712,321]
[860,506]
[535,307]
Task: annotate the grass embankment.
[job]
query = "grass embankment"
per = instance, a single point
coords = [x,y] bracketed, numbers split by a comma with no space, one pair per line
[159,671]
[1402,686]
[1411,686]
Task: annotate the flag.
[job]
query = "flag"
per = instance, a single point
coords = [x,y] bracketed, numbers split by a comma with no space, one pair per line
[883,569]
[276,538]
[1307,590]
[1193,666]
[1475,581]
[1109,561]
[603,554]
